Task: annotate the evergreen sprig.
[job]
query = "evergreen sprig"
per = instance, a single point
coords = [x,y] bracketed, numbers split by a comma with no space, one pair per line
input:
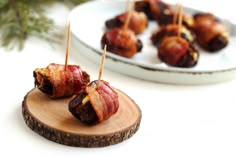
[22,18]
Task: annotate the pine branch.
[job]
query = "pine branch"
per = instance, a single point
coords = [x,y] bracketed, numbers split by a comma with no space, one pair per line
[22,18]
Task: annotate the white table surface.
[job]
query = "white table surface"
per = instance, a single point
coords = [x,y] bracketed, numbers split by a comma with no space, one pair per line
[178,120]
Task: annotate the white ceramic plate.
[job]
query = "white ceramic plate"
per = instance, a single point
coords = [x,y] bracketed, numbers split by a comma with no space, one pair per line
[87,27]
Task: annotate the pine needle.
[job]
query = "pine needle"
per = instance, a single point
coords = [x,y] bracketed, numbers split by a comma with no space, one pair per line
[20,19]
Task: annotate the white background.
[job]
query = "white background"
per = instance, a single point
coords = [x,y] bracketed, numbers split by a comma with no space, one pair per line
[185,121]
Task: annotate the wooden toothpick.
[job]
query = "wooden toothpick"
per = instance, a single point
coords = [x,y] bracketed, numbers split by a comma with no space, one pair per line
[127,4]
[176,14]
[180,20]
[102,63]
[130,9]
[67,46]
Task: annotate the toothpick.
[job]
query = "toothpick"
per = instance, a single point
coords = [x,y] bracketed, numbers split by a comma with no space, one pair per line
[67,47]
[180,20]
[127,5]
[130,10]
[176,13]
[102,63]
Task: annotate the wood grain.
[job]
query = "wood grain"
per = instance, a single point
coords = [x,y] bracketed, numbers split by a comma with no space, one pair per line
[51,119]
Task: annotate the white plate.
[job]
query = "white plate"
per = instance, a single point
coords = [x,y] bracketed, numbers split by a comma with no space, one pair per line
[87,27]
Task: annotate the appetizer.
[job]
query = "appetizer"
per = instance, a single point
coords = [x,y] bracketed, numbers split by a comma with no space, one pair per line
[138,21]
[122,42]
[175,50]
[178,52]
[210,32]
[96,103]
[57,82]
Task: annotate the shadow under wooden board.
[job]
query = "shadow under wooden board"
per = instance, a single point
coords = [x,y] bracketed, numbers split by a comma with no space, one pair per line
[51,119]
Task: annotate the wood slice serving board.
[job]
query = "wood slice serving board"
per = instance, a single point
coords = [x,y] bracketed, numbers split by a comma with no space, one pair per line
[51,119]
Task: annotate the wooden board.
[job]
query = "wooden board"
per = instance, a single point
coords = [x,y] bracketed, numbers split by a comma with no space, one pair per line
[51,119]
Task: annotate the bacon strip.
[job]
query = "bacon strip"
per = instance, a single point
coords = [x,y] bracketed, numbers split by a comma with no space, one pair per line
[69,82]
[103,98]
[210,32]
[172,49]
[122,42]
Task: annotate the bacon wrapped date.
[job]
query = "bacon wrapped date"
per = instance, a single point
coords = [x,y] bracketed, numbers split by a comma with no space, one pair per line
[210,32]
[138,21]
[176,51]
[171,30]
[122,42]
[96,103]
[57,82]
[154,9]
